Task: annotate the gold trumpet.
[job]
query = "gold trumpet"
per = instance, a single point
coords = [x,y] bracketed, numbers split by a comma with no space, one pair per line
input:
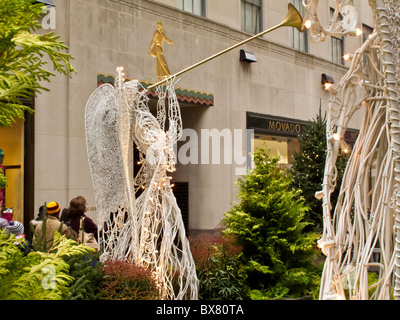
[292,19]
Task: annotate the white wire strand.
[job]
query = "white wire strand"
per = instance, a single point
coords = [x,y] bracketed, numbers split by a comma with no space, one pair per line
[147,230]
[352,234]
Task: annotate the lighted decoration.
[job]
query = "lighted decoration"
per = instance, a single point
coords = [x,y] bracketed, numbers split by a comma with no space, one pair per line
[148,229]
[366,218]
[342,23]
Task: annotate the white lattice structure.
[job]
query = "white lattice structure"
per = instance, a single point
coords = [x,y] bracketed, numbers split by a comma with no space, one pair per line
[365,219]
[146,229]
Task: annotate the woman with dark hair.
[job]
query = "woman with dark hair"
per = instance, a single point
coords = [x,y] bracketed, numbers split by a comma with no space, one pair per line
[77,208]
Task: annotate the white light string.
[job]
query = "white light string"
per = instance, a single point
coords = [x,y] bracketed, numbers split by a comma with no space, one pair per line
[365,219]
[147,230]
[342,23]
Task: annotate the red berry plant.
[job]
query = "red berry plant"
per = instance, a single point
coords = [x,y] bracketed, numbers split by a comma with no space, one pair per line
[124,280]
[219,268]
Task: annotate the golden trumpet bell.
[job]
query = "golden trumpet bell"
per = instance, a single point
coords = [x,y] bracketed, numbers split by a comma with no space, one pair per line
[293,18]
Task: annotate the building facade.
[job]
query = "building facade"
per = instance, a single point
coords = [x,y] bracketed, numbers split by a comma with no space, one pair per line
[258,95]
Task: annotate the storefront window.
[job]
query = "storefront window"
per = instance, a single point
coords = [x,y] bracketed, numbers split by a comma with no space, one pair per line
[277,135]
[281,146]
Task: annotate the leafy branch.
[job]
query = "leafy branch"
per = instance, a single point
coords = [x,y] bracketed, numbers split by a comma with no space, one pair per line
[23,56]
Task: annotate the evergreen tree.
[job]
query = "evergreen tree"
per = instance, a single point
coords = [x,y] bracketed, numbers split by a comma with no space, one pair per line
[308,169]
[37,275]
[268,223]
[86,270]
[3,180]
[22,67]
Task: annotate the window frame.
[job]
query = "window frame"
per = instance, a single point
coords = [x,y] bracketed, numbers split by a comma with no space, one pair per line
[337,42]
[302,36]
[243,15]
[334,43]
[181,5]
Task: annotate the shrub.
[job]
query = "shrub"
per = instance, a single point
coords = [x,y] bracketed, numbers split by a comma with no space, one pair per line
[86,270]
[219,268]
[309,166]
[269,222]
[124,280]
[37,275]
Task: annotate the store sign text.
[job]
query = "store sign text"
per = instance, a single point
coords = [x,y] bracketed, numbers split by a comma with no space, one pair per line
[275,125]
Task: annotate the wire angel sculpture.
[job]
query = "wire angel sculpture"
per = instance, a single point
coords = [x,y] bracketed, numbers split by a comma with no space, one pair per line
[343,21]
[361,231]
[147,229]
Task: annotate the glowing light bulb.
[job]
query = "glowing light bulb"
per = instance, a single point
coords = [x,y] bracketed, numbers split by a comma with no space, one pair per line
[308,24]
[358,32]
[347,57]
[336,136]
[327,85]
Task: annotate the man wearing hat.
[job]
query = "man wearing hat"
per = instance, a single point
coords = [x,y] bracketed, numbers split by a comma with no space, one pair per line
[52,224]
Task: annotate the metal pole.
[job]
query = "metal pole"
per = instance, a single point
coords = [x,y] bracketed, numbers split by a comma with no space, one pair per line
[213,56]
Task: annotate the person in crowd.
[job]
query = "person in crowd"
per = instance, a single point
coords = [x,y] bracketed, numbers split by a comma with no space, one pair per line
[66,219]
[39,217]
[3,224]
[77,208]
[17,228]
[53,224]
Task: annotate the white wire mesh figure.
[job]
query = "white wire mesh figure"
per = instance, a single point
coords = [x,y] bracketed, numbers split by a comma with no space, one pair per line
[343,21]
[365,217]
[149,229]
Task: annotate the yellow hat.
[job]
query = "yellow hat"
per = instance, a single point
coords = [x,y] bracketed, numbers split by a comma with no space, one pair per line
[53,207]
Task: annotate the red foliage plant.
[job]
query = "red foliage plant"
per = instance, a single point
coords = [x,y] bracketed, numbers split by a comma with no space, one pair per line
[124,280]
[204,245]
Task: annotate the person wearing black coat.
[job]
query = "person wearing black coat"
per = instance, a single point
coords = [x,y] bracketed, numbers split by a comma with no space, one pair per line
[77,208]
